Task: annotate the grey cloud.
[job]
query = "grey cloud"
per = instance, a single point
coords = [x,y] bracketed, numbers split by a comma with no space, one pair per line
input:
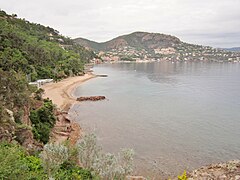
[200,22]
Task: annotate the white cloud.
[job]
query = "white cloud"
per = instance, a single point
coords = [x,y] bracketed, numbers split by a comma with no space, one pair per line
[202,22]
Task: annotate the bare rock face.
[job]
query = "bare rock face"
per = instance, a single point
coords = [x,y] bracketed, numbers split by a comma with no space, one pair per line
[117,43]
[7,133]
[222,171]
[25,137]
[65,129]
[10,114]
[26,120]
[11,131]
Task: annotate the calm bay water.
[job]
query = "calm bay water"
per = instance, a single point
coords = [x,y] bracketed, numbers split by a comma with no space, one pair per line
[175,116]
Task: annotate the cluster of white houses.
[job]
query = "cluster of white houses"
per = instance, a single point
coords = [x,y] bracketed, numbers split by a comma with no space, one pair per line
[180,52]
[41,82]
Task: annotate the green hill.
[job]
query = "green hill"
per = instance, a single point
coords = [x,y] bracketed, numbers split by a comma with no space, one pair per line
[39,51]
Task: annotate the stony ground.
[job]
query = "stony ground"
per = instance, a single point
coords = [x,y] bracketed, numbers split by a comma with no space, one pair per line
[221,171]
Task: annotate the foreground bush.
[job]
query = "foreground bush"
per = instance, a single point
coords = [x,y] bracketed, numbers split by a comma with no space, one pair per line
[107,166]
[64,162]
[70,171]
[58,162]
[53,156]
[15,163]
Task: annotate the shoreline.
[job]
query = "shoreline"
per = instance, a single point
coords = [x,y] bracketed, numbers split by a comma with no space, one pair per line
[61,94]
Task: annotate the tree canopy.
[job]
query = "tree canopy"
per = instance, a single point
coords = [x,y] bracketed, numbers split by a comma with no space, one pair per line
[38,51]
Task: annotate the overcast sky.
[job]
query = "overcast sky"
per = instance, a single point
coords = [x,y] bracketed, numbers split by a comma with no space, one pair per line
[207,22]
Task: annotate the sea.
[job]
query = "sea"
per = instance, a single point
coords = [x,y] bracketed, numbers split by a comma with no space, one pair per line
[175,116]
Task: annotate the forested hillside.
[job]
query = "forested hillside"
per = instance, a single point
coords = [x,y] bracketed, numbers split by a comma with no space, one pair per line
[28,52]
[38,51]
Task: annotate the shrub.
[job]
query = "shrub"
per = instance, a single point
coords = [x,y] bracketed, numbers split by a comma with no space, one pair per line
[110,166]
[39,93]
[15,163]
[43,120]
[126,161]
[107,166]
[57,162]
[88,150]
[69,171]
[53,155]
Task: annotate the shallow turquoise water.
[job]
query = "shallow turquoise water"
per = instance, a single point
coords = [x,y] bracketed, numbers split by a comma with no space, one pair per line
[175,116]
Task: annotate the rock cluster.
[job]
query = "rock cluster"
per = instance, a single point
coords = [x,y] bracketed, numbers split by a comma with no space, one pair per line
[222,171]
[91,98]
[65,129]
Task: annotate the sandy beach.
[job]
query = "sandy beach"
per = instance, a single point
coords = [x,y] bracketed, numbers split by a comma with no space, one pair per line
[61,92]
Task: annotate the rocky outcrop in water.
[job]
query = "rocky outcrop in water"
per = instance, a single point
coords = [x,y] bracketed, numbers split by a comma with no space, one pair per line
[91,98]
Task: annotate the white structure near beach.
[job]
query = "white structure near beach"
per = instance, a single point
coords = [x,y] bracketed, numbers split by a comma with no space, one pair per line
[41,82]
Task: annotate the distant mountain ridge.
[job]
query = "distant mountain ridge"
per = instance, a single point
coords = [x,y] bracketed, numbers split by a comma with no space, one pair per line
[155,46]
[234,49]
[136,39]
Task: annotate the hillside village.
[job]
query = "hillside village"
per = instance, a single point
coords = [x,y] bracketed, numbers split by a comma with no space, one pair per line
[148,47]
[183,52]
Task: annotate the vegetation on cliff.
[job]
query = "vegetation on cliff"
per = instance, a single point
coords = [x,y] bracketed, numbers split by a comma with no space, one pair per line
[43,120]
[15,102]
[30,51]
